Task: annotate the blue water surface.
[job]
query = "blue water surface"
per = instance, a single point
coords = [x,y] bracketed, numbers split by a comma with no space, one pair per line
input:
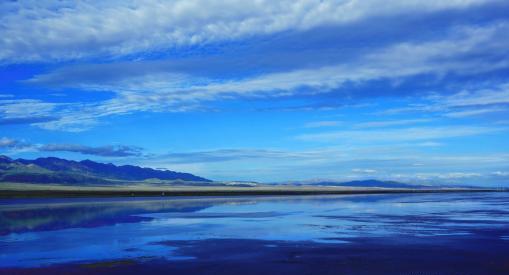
[44,232]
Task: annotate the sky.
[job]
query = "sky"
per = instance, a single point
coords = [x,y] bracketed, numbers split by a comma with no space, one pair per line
[268,91]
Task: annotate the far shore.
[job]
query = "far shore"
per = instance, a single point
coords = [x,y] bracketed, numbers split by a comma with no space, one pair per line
[21,190]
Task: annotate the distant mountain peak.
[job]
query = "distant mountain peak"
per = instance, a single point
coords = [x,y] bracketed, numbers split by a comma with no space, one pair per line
[4,158]
[360,183]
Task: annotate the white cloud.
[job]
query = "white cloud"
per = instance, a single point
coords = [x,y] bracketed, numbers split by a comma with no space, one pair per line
[18,146]
[397,61]
[399,135]
[476,97]
[465,103]
[14,145]
[463,178]
[476,112]
[8,142]
[501,173]
[12,108]
[364,171]
[325,123]
[387,123]
[429,144]
[171,92]
[225,155]
[40,30]
[104,151]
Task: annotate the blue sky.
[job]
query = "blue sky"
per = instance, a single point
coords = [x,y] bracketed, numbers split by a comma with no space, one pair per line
[414,91]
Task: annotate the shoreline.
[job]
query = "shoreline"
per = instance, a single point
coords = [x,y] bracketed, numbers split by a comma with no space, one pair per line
[53,191]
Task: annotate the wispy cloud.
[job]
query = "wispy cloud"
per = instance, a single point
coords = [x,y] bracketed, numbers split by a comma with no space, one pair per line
[176,92]
[465,103]
[476,97]
[95,29]
[222,155]
[324,123]
[26,120]
[388,123]
[103,151]
[461,178]
[9,143]
[27,111]
[21,108]
[476,112]
[16,145]
[364,171]
[400,134]
[429,144]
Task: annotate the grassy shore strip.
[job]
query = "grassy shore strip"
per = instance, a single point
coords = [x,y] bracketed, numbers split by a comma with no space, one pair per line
[35,190]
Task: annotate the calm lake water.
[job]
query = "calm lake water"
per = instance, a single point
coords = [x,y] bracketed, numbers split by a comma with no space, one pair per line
[461,233]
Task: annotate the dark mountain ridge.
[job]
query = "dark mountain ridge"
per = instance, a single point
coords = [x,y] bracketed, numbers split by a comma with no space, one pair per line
[57,170]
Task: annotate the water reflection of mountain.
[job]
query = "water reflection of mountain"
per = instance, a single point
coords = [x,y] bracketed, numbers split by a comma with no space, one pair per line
[39,217]
[52,214]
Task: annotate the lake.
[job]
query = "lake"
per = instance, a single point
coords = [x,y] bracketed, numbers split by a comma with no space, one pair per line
[443,233]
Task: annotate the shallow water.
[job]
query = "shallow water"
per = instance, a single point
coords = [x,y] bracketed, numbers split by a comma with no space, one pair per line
[339,232]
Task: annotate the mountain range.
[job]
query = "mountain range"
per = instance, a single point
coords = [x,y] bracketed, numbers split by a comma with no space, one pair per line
[374,183]
[52,170]
[368,183]
[62,171]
